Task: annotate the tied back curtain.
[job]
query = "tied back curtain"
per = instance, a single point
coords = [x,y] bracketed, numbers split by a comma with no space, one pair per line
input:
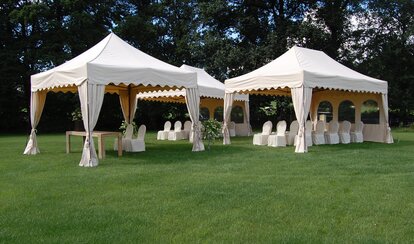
[37,103]
[228,103]
[128,101]
[192,100]
[91,99]
[247,117]
[388,136]
[301,98]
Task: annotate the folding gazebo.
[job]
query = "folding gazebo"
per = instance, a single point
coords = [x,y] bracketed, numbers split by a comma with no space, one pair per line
[211,97]
[309,76]
[111,66]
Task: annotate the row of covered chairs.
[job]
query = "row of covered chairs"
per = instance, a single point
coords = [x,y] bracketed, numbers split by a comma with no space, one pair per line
[333,135]
[130,144]
[178,133]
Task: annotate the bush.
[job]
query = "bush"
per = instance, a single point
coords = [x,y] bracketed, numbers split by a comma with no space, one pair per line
[211,130]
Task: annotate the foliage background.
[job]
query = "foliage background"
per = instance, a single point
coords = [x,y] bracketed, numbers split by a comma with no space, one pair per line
[227,38]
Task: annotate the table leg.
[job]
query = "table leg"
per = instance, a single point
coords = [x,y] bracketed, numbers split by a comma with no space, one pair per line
[67,143]
[119,145]
[100,147]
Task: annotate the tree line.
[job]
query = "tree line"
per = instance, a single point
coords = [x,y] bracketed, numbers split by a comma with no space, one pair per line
[227,38]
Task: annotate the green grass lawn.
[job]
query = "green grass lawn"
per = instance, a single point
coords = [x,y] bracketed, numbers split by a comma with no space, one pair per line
[236,193]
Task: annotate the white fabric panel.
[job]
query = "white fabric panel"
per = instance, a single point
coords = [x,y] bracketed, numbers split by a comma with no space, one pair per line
[114,61]
[305,67]
[91,99]
[37,103]
[192,100]
[388,135]
[247,117]
[228,104]
[128,102]
[301,98]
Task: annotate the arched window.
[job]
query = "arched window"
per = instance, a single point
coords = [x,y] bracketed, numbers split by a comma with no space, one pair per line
[370,112]
[346,111]
[325,111]
[218,114]
[204,113]
[237,114]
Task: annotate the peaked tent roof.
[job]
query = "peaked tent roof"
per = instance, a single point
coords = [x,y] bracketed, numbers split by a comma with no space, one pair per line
[114,61]
[305,67]
[207,85]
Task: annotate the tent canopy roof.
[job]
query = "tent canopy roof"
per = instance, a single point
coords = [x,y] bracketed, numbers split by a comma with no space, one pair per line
[305,67]
[113,61]
[207,85]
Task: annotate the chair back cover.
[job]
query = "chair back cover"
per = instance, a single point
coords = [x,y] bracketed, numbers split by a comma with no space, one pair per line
[333,126]
[320,127]
[294,127]
[167,126]
[359,126]
[267,128]
[232,125]
[187,125]
[281,128]
[177,126]
[345,127]
[129,131]
[141,132]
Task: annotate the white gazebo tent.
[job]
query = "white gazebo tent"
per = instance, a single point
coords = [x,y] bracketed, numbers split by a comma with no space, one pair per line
[310,76]
[111,66]
[211,95]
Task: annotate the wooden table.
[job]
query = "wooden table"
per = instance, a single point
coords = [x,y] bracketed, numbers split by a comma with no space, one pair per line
[101,140]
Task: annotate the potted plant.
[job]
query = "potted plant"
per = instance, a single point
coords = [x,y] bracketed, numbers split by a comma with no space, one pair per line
[211,130]
[77,120]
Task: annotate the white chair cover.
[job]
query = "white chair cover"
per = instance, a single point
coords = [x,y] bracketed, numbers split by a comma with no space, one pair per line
[344,132]
[232,129]
[318,135]
[293,131]
[163,134]
[176,134]
[138,144]
[261,138]
[331,136]
[278,139]
[356,135]
[186,131]
[126,139]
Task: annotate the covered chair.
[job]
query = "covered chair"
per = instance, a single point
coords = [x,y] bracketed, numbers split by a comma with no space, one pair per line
[138,144]
[278,139]
[261,138]
[356,135]
[232,129]
[163,134]
[186,130]
[318,136]
[344,132]
[177,133]
[126,139]
[331,136]
[293,131]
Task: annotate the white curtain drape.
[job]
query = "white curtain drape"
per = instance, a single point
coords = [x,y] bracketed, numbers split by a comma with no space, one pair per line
[192,99]
[128,101]
[301,98]
[91,99]
[388,136]
[247,117]
[37,103]
[228,104]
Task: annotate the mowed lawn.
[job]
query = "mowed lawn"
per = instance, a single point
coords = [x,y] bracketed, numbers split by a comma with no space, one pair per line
[236,193]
